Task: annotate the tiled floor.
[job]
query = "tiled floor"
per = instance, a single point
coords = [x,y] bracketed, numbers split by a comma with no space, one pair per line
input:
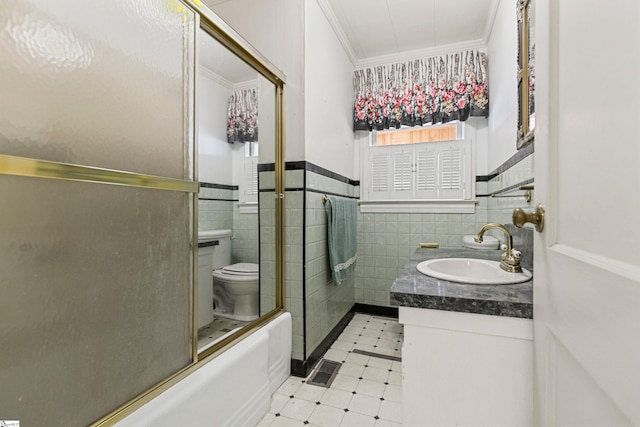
[367,391]
[214,331]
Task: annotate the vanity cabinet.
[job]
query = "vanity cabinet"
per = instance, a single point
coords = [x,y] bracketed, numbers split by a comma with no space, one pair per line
[467,355]
[464,369]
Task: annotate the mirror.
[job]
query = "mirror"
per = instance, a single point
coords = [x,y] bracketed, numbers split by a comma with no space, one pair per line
[526,72]
[236,208]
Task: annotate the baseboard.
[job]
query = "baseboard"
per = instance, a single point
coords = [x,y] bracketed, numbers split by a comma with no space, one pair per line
[302,368]
[375,310]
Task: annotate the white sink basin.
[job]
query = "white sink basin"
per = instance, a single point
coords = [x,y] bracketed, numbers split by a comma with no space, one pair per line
[472,271]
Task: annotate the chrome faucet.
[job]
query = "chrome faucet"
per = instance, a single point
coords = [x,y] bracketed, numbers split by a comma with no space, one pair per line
[510,259]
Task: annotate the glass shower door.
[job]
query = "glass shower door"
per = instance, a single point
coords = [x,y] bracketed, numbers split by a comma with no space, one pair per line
[97,189]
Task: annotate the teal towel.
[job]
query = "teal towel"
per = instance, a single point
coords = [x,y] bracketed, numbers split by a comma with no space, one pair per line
[342,231]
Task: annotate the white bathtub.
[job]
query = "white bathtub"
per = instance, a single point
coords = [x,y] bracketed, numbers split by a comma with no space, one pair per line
[232,390]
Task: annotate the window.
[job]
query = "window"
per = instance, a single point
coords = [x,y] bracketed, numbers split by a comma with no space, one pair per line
[449,132]
[403,173]
[248,187]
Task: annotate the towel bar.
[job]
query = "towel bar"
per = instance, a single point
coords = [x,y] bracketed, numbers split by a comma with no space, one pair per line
[325,198]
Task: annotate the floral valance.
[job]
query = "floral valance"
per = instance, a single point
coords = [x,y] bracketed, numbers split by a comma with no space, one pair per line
[422,91]
[242,116]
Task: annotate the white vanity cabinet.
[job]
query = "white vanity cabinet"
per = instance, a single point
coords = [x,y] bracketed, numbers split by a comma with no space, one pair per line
[463,369]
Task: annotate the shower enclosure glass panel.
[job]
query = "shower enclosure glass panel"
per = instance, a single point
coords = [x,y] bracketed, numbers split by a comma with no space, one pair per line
[95,279]
[97,83]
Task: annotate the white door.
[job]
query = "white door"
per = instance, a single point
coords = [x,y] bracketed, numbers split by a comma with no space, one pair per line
[587,260]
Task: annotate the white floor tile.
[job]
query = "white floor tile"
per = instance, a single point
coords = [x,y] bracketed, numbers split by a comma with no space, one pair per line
[367,340]
[277,402]
[342,345]
[393,393]
[385,343]
[286,422]
[358,359]
[391,411]
[365,405]
[298,409]
[266,420]
[385,423]
[351,369]
[337,398]
[345,383]
[371,332]
[352,419]
[312,393]
[375,374]
[395,378]
[353,330]
[348,337]
[336,355]
[326,416]
[290,386]
[377,362]
[371,388]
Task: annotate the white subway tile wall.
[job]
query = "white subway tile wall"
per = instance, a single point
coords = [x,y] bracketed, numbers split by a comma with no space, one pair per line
[216,214]
[267,250]
[326,303]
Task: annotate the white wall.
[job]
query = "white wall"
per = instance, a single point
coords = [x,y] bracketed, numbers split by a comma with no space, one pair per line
[503,94]
[276,29]
[329,136]
[213,150]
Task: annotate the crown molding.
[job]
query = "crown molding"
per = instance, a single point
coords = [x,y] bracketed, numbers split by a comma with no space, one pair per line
[249,84]
[215,77]
[226,83]
[337,29]
[491,19]
[421,53]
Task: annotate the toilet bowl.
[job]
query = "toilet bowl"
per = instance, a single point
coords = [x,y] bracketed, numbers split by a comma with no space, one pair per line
[235,291]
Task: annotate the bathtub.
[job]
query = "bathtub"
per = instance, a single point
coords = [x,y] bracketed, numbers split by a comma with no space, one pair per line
[234,389]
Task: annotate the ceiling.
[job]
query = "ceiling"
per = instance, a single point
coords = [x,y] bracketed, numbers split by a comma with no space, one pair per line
[375,28]
[226,65]
[379,31]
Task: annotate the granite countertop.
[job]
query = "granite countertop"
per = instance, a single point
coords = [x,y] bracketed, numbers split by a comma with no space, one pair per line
[414,289]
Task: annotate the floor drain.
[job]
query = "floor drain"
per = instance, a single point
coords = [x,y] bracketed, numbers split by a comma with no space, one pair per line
[325,373]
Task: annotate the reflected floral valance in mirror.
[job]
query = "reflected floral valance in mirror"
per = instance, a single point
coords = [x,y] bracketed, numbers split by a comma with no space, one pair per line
[242,116]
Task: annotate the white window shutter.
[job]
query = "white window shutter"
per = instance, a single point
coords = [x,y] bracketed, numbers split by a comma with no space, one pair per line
[426,172]
[403,174]
[452,171]
[379,174]
[250,190]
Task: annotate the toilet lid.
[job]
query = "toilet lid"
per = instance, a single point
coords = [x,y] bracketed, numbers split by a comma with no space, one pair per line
[241,269]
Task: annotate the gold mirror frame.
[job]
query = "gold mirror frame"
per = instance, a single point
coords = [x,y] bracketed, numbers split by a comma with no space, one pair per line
[526,125]
[226,36]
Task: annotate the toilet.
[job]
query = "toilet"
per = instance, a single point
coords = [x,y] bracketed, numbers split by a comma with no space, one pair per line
[488,243]
[235,286]
[235,291]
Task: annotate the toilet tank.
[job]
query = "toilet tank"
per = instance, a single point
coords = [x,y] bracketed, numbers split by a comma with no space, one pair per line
[221,251]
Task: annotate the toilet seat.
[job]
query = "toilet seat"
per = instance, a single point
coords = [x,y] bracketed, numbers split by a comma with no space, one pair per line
[241,269]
